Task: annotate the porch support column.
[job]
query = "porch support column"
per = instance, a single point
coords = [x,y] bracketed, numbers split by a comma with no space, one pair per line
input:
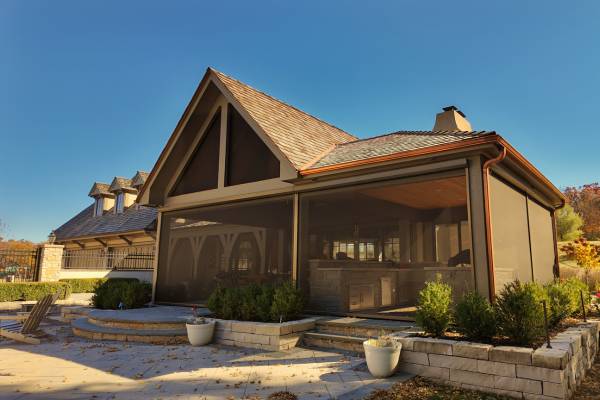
[295,236]
[157,245]
[478,231]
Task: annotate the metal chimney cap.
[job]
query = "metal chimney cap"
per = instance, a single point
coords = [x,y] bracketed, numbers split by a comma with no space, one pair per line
[454,108]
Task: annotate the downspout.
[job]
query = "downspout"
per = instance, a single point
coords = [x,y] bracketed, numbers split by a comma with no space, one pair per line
[488,219]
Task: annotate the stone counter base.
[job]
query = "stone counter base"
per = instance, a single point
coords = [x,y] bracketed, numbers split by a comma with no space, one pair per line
[523,373]
[261,335]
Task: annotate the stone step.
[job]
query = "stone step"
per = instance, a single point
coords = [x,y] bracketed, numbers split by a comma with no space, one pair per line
[69,313]
[84,328]
[333,342]
[360,327]
[141,319]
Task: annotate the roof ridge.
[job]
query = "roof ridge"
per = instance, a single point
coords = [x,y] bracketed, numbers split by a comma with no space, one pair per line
[281,101]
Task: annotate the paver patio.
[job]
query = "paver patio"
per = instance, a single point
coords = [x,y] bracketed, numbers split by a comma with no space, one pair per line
[68,367]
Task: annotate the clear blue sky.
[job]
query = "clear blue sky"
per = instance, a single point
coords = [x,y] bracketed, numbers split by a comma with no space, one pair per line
[90,90]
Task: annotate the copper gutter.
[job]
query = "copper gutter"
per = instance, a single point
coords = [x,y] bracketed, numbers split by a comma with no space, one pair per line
[488,219]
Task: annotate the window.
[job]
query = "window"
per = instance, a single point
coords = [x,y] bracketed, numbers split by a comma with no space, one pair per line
[248,157]
[366,251]
[120,203]
[391,249]
[343,250]
[202,170]
[99,207]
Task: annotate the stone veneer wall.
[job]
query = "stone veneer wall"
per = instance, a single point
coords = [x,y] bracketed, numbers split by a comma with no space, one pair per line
[50,262]
[261,335]
[523,373]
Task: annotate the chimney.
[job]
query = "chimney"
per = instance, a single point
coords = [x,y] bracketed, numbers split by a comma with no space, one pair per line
[452,119]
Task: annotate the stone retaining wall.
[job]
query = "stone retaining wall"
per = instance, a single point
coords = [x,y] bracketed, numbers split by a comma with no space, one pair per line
[261,335]
[523,373]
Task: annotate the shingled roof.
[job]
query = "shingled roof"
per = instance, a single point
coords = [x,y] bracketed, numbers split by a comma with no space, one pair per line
[85,224]
[300,136]
[120,183]
[390,143]
[100,189]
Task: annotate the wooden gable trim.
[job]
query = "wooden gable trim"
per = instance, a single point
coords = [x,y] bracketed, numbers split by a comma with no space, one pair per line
[287,170]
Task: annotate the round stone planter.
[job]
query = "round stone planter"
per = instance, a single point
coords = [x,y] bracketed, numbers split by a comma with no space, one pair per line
[382,361]
[200,334]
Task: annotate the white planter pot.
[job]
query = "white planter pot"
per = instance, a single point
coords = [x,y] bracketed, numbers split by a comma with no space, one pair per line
[382,361]
[202,334]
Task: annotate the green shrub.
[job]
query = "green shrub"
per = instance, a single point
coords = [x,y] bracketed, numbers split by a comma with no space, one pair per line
[231,302]
[287,303]
[560,304]
[215,301]
[474,317]
[519,312]
[248,303]
[88,285]
[433,307]
[17,291]
[264,302]
[256,303]
[574,287]
[132,293]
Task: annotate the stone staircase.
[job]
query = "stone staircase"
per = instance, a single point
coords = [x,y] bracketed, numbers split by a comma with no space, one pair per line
[346,334]
[163,326]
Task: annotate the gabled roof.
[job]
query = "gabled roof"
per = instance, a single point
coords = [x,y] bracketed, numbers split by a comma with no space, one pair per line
[85,224]
[390,143]
[100,189]
[139,178]
[120,183]
[300,136]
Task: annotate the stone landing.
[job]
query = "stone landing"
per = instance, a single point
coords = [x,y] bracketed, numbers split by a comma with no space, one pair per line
[156,325]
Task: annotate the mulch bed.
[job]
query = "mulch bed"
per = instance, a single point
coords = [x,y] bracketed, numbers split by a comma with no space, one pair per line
[424,389]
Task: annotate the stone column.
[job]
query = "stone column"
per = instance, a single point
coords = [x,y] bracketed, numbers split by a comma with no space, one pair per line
[50,262]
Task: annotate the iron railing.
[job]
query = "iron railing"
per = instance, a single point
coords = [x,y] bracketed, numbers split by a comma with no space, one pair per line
[126,259]
[19,265]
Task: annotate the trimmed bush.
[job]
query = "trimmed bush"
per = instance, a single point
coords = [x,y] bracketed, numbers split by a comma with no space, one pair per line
[560,303]
[287,303]
[433,308]
[474,317]
[89,285]
[131,293]
[18,291]
[519,312]
[264,303]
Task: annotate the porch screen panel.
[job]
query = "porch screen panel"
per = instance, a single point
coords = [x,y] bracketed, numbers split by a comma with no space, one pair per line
[228,245]
[510,234]
[542,242]
[370,248]
[202,170]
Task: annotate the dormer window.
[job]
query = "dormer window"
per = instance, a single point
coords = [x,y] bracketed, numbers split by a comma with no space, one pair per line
[119,205]
[99,207]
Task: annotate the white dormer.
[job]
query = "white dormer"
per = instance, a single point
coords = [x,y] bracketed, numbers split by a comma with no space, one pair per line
[124,193]
[103,198]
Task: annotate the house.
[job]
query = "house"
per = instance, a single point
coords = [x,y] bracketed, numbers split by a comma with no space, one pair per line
[252,190]
[112,233]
